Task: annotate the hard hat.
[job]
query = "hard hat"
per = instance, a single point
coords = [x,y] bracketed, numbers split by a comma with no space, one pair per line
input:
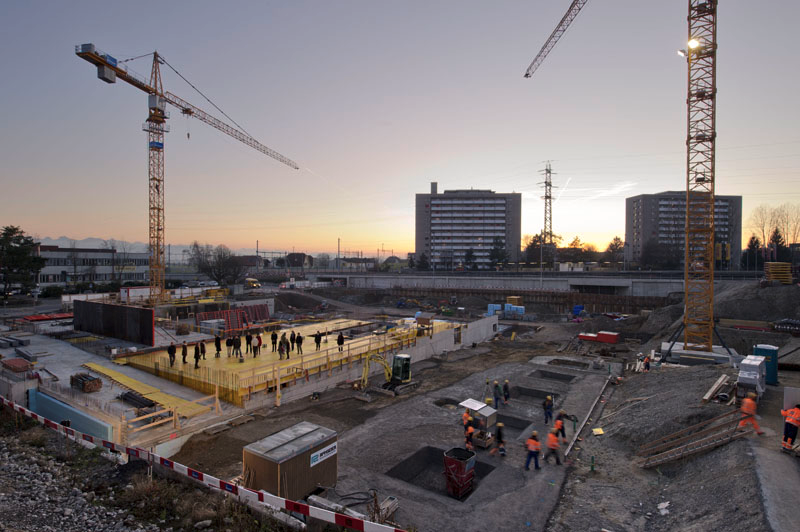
[561,412]
[469,418]
[550,397]
[554,431]
[488,400]
[751,395]
[495,382]
[534,433]
[500,425]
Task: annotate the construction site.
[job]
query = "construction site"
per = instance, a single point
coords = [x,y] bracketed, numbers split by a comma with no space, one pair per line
[411,402]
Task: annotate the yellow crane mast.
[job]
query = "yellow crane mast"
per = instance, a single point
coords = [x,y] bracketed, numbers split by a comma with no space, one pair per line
[109,70]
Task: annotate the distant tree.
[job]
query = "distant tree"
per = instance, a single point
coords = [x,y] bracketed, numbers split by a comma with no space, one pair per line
[218,263]
[777,240]
[576,243]
[761,220]
[751,258]
[615,250]
[469,260]
[18,260]
[498,256]
[423,264]
[589,253]
[411,263]
[280,262]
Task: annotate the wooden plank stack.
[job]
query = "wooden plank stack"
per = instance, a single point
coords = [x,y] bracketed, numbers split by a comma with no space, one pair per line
[778,271]
[85,382]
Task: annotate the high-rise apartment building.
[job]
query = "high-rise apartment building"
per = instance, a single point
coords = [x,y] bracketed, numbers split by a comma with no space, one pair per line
[661,218]
[450,224]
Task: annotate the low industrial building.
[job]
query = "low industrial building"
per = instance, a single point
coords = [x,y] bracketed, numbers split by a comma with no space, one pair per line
[67,266]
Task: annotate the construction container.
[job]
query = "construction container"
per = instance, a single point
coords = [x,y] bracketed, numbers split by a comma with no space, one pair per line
[514,300]
[425,318]
[292,463]
[459,471]
[770,354]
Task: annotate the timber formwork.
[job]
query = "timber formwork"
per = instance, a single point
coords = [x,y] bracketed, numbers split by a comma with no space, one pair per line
[559,301]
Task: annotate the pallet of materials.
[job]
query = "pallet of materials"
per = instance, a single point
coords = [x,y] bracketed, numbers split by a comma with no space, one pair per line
[778,271]
[17,365]
[85,382]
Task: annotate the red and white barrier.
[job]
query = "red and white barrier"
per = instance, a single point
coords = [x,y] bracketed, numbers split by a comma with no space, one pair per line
[241,493]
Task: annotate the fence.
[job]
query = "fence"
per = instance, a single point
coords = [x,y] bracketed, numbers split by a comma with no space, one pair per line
[235,386]
[260,499]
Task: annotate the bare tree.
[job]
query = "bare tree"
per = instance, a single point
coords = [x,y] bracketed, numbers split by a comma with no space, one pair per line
[787,218]
[761,221]
[219,263]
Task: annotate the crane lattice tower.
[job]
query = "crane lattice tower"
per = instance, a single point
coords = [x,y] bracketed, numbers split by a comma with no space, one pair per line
[698,318]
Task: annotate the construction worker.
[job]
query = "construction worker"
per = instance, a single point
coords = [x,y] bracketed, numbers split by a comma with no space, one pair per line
[547,405]
[171,352]
[203,350]
[298,340]
[497,391]
[229,345]
[292,339]
[217,345]
[749,413]
[559,425]
[499,441]
[468,434]
[196,356]
[318,339]
[647,363]
[184,352]
[552,446]
[506,392]
[790,425]
[534,447]
[465,419]
[274,338]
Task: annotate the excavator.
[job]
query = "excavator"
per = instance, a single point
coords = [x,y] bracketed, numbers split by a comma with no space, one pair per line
[397,375]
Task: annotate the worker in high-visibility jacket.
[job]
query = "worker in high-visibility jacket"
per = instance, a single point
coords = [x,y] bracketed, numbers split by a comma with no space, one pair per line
[790,425]
[534,447]
[559,425]
[552,447]
[468,435]
[465,419]
[749,413]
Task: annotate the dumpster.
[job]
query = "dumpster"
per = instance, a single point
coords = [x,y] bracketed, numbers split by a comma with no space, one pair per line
[459,472]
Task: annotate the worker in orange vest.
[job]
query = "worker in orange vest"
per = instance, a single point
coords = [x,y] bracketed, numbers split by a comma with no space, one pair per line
[465,419]
[559,425]
[791,423]
[468,435]
[749,413]
[552,446]
[534,446]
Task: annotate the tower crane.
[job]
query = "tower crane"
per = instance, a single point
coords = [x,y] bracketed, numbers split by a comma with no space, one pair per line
[701,135]
[560,30]
[109,70]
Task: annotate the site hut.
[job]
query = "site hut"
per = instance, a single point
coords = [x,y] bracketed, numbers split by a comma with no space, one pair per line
[485,417]
[292,463]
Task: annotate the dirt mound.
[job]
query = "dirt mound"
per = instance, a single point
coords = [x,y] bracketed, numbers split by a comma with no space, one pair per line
[747,301]
[718,490]
[662,319]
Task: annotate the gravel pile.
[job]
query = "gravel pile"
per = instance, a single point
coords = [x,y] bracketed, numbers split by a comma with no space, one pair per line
[716,491]
[39,493]
[747,301]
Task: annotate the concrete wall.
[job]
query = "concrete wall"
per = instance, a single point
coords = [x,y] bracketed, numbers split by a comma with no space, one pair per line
[626,287]
[55,410]
[426,347]
[14,388]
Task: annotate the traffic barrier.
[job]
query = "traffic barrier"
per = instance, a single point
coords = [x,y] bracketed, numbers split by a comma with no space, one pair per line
[245,495]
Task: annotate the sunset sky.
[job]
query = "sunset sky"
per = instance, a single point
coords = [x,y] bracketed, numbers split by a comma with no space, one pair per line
[374,100]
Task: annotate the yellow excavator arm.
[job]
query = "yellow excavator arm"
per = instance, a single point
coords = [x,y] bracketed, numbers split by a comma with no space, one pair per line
[378,359]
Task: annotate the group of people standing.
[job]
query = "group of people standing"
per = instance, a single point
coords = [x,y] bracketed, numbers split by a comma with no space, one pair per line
[284,346]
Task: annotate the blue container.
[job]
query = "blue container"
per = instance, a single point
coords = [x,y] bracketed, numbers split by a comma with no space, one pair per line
[770,354]
[157,145]
[112,61]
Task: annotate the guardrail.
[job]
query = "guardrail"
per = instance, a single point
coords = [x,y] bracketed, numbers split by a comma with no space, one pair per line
[244,495]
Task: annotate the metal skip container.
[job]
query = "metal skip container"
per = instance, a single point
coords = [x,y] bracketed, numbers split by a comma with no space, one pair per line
[292,463]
